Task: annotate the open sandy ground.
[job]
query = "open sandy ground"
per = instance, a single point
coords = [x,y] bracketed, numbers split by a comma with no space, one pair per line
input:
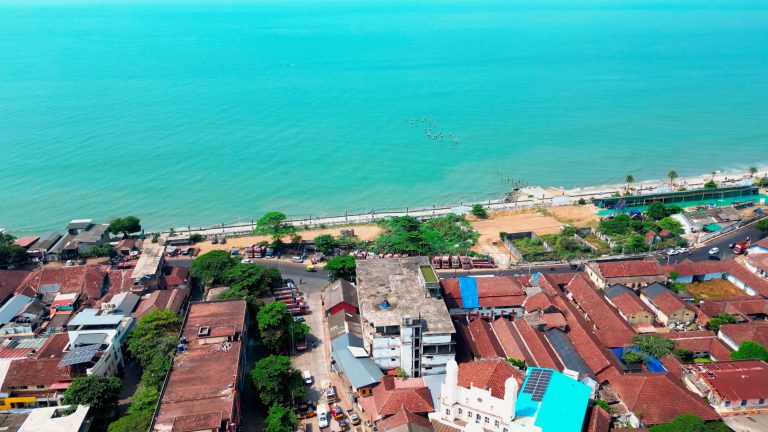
[577,215]
[363,232]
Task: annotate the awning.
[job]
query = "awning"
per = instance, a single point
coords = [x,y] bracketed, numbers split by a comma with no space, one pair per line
[713,227]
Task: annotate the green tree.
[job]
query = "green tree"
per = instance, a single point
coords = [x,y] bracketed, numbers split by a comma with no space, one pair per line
[326,243]
[672,175]
[752,171]
[629,179]
[479,211]
[125,225]
[762,225]
[671,225]
[210,267]
[685,355]
[133,422]
[341,267]
[516,362]
[155,372]
[252,279]
[11,253]
[300,330]
[724,318]
[750,350]
[144,400]
[710,185]
[274,324]
[636,243]
[100,392]
[604,405]
[631,356]
[280,419]
[154,335]
[656,211]
[196,237]
[653,345]
[690,423]
[276,381]
[275,224]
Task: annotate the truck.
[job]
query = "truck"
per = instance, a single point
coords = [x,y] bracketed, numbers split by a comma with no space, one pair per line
[328,391]
[445,262]
[436,262]
[455,262]
[741,247]
[466,263]
[297,309]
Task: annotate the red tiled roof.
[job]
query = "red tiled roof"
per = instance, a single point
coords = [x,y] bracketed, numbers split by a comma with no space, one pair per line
[615,338]
[172,299]
[554,320]
[483,340]
[541,352]
[10,280]
[80,279]
[630,268]
[628,303]
[599,420]
[595,305]
[758,260]
[499,291]
[669,303]
[700,341]
[736,306]
[34,372]
[510,340]
[754,331]
[672,364]
[119,280]
[729,378]
[403,417]
[538,301]
[53,347]
[389,397]
[26,242]
[587,344]
[659,397]
[489,375]
[175,276]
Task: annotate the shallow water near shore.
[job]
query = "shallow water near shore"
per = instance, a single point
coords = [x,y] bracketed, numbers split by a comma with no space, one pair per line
[207,112]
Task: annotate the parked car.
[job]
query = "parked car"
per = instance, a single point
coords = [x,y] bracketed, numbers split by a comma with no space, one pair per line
[246,261]
[70,263]
[714,251]
[671,252]
[289,283]
[223,240]
[301,345]
[354,418]
[714,257]
[297,259]
[298,319]
[307,377]
[215,240]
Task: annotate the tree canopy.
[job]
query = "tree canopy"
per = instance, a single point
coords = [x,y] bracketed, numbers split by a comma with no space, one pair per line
[253,279]
[479,211]
[762,225]
[133,422]
[274,324]
[125,225]
[446,234]
[710,185]
[671,225]
[11,253]
[341,267]
[653,345]
[275,224]
[210,267]
[326,243]
[690,423]
[724,318]
[100,392]
[276,381]
[280,419]
[750,350]
[154,335]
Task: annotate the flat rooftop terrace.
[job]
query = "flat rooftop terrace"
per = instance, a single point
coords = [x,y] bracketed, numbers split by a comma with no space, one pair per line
[390,290]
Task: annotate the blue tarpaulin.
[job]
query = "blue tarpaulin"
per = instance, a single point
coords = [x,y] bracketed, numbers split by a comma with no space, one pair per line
[468,287]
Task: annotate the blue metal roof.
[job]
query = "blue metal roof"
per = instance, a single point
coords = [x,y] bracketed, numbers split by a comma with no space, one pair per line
[469,296]
[563,402]
[88,317]
[360,371]
[12,307]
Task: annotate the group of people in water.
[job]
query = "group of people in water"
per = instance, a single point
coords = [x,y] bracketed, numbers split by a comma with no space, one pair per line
[435,135]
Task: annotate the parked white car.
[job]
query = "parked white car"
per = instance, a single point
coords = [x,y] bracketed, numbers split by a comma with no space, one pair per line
[714,251]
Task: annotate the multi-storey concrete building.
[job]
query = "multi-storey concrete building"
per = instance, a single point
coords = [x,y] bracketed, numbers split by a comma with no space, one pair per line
[405,322]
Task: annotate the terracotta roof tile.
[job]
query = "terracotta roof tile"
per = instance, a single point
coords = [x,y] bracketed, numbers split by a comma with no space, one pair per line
[54,346]
[389,397]
[403,417]
[484,340]
[626,301]
[595,305]
[540,350]
[10,280]
[599,420]
[172,299]
[700,341]
[588,345]
[728,378]
[510,340]
[35,372]
[499,291]
[754,331]
[538,301]
[690,268]
[88,280]
[659,397]
[489,375]
[630,268]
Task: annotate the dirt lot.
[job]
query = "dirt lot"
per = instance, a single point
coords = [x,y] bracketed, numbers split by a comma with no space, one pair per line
[363,232]
[715,288]
[580,216]
[507,221]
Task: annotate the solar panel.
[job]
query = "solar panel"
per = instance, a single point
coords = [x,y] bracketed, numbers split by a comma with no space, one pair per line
[80,355]
[537,384]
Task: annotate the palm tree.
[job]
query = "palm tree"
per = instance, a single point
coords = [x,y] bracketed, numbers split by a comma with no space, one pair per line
[752,171]
[713,174]
[672,176]
[629,180]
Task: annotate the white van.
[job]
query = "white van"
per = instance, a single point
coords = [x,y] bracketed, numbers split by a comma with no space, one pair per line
[307,377]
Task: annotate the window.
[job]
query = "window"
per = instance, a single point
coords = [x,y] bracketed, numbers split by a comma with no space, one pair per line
[496,424]
[727,404]
[487,420]
[447,412]
[469,414]
[505,430]
[477,418]
[761,402]
[743,403]
[461,411]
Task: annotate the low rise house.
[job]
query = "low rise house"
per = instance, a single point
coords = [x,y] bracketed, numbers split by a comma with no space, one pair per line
[214,333]
[351,361]
[666,305]
[394,393]
[22,316]
[703,344]
[757,263]
[10,280]
[102,329]
[484,296]
[127,245]
[146,275]
[42,249]
[743,308]
[731,387]
[171,299]
[479,339]
[90,281]
[494,396]
[404,319]
[519,340]
[629,305]
[404,421]
[82,234]
[630,273]
[733,335]
[594,306]
[730,270]
[59,419]
[341,295]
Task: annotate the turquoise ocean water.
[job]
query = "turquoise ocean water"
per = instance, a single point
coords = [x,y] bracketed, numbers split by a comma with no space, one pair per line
[208,111]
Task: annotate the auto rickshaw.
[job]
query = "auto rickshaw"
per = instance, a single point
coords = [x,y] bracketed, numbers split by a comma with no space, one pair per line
[311,268]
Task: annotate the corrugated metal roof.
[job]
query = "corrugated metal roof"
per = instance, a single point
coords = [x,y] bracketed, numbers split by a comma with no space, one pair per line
[12,307]
[90,317]
[361,371]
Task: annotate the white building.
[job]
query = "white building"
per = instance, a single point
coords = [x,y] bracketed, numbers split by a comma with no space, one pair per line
[405,322]
[98,333]
[56,419]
